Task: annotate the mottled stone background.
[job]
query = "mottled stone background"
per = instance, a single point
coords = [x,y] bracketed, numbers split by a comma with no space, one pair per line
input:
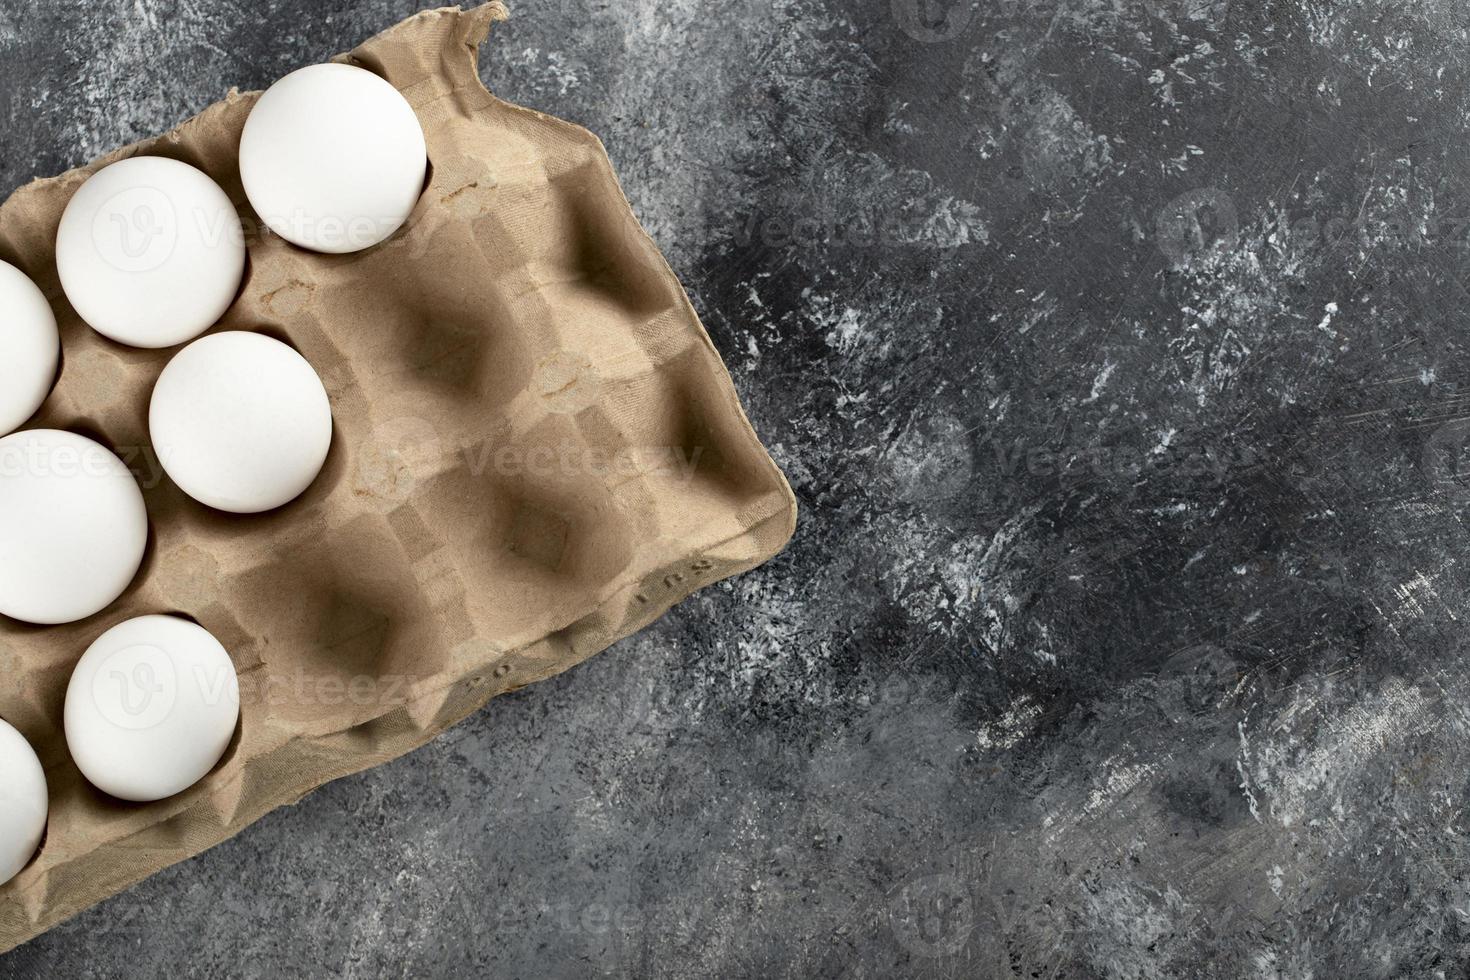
[1114,349]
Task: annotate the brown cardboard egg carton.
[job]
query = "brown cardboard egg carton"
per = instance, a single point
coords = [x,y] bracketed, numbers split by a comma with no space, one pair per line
[537,452]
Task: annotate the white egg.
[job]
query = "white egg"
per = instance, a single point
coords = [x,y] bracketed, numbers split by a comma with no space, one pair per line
[241,422]
[151,708]
[333,158]
[150,251]
[23,805]
[29,348]
[73,527]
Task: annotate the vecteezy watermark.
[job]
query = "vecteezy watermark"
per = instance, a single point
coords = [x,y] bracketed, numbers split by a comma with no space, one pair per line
[618,919]
[402,453]
[1196,222]
[45,460]
[330,690]
[139,230]
[570,459]
[832,227]
[27,455]
[333,233]
[1188,461]
[600,923]
[1350,228]
[932,21]
[1445,460]
[137,688]
[932,916]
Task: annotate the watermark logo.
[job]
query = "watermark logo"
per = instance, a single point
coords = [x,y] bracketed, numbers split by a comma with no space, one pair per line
[933,916]
[1445,462]
[136,230]
[136,687]
[388,463]
[933,21]
[1200,673]
[567,382]
[1195,222]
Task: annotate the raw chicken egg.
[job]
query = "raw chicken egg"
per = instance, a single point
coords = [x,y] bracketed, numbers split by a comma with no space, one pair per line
[333,158]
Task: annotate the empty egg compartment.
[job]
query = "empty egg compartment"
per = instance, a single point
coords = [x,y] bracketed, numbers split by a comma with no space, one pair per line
[434,343]
[683,463]
[566,235]
[343,629]
[36,664]
[531,530]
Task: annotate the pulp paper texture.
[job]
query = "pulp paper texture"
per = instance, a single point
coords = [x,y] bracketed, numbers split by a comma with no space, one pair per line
[537,452]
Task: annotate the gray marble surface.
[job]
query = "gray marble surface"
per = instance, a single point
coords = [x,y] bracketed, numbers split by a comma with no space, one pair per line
[1114,350]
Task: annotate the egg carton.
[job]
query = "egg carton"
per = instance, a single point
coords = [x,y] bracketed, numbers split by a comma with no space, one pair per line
[537,452]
